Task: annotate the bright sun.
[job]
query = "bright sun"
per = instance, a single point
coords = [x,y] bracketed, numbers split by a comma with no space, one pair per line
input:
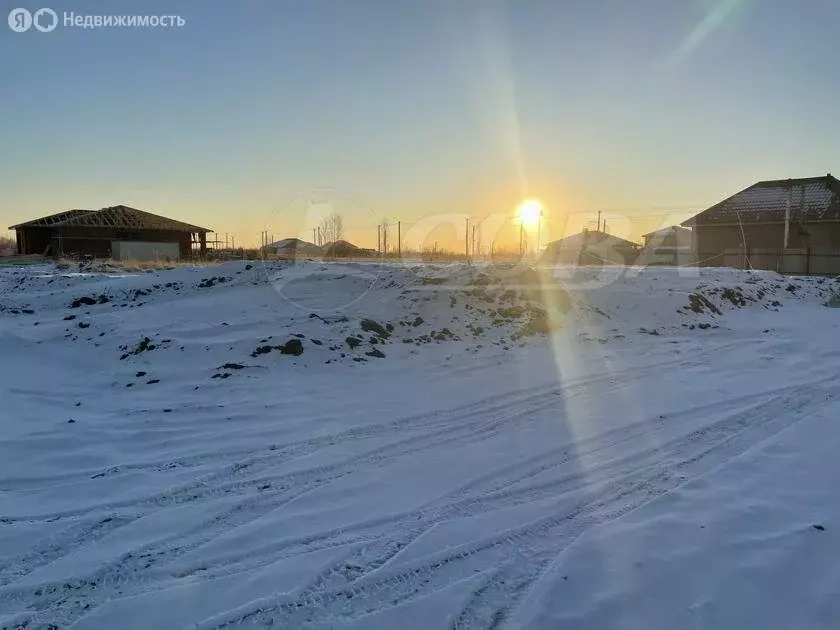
[529,212]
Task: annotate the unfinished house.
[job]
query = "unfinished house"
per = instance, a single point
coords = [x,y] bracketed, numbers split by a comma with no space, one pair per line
[118,232]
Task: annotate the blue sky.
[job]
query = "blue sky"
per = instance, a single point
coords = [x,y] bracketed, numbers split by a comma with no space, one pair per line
[644,109]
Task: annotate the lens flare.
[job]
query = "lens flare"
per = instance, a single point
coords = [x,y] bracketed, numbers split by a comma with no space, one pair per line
[529,212]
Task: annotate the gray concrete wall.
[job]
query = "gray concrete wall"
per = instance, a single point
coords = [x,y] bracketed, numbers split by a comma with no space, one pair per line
[139,250]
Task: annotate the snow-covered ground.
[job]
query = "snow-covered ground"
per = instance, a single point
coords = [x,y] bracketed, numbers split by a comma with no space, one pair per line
[418,447]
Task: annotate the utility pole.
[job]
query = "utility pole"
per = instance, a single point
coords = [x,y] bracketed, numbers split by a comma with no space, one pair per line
[598,229]
[787,214]
[467,241]
[399,240]
[385,239]
[801,200]
[378,239]
[521,238]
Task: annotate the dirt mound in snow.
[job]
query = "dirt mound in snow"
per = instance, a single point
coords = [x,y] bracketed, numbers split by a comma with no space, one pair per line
[660,300]
[407,310]
[236,314]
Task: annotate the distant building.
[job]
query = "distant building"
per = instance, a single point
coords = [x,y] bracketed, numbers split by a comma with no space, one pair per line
[293,248]
[296,248]
[788,225]
[115,232]
[345,249]
[672,245]
[591,247]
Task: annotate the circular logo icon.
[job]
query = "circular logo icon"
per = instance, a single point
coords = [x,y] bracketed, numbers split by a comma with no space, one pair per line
[45,20]
[315,254]
[20,20]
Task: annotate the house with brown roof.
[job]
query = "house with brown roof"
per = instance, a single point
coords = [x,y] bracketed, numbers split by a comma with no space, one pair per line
[789,225]
[114,232]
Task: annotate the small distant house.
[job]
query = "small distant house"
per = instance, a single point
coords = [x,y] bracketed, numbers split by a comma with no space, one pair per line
[788,225]
[345,249]
[293,248]
[118,232]
[591,247]
[673,245]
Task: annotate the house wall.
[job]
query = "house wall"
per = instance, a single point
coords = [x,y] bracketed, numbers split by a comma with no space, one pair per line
[669,240]
[669,249]
[812,247]
[97,241]
[91,241]
[593,255]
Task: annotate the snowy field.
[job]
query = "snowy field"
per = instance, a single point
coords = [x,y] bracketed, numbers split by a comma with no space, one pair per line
[418,447]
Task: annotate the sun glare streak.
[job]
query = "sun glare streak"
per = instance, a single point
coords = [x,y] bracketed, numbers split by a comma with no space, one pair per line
[496,93]
[714,20]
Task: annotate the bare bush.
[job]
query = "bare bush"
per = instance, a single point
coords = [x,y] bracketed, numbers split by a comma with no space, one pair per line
[8,247]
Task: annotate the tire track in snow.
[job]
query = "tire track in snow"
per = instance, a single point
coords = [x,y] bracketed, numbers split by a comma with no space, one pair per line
[492,604]
[225,482]
[420,423]
[256,505]
[381,541]
[486,429]
[56,546]
[540,541]
[384,544]
[490,404]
